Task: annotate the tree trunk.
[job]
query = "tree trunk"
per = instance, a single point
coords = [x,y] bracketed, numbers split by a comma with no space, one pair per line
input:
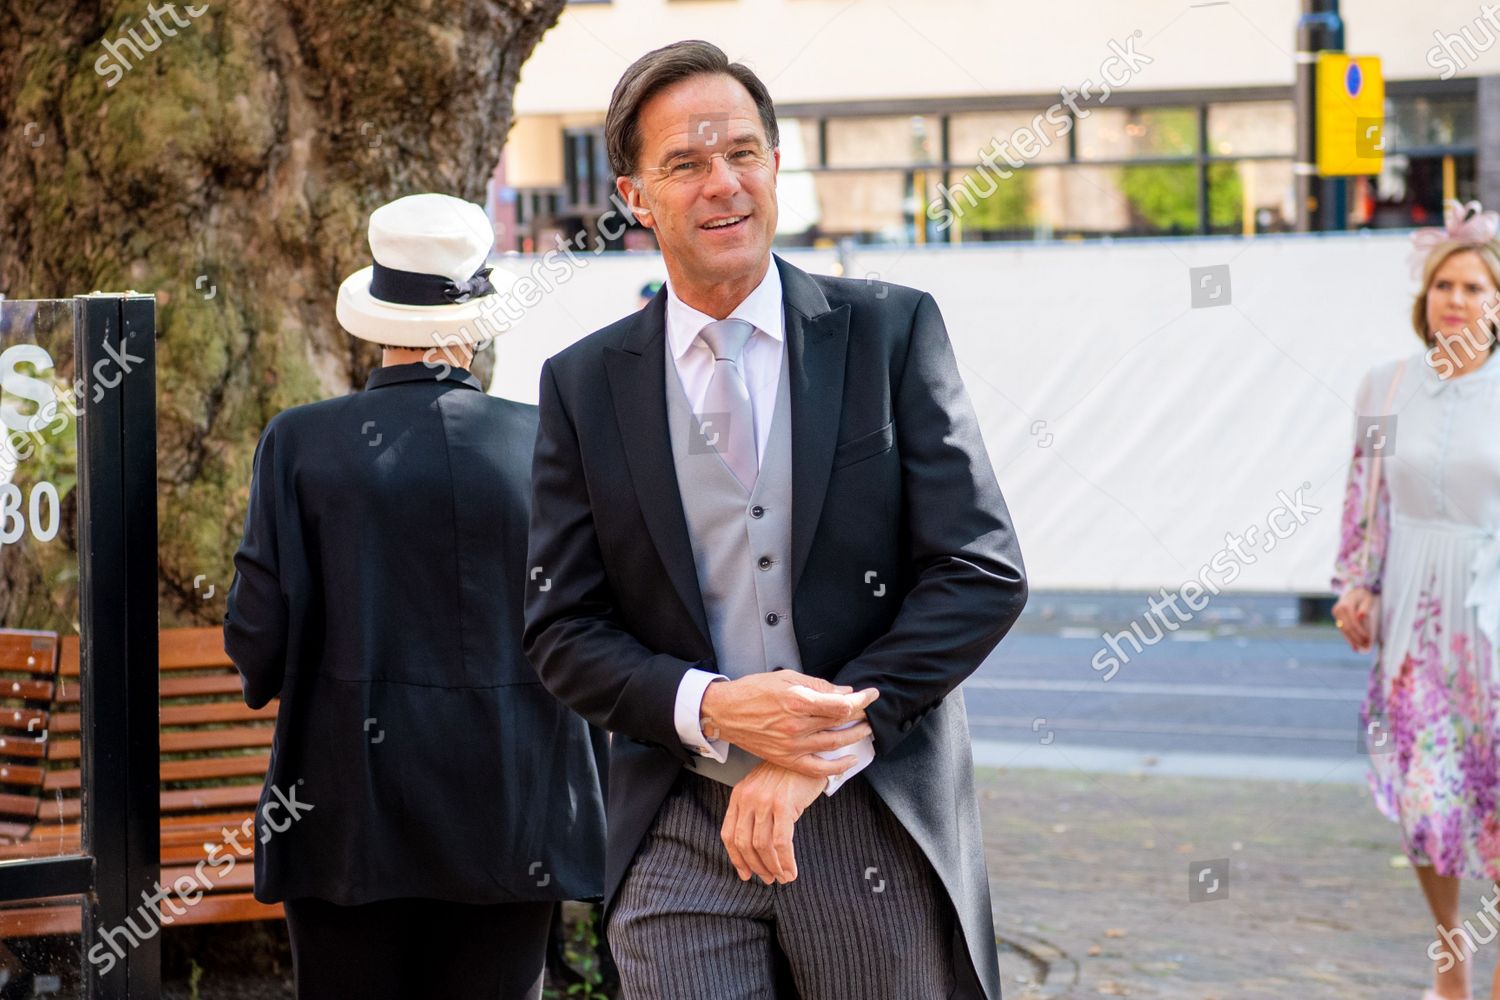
[226,157]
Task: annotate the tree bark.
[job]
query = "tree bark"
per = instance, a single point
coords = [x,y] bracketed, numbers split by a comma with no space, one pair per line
[230,169]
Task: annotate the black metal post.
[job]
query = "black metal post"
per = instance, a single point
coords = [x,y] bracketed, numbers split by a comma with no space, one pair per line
[1320,201]
[117,561]
[1205,223]
[143,704]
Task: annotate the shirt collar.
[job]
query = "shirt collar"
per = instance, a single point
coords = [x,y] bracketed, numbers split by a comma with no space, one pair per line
[1435,383]
[421,371]
[762,308]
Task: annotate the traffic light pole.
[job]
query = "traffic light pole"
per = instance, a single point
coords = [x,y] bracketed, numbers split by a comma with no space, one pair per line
[1320,200]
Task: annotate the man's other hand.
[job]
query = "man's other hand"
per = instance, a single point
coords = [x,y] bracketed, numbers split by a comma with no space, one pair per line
[763,809]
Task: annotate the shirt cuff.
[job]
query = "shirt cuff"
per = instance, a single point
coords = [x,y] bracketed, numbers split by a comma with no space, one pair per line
[863,753]
[688,710]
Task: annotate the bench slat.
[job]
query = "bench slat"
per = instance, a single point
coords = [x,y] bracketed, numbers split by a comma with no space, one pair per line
[51,839]
[26,690]
[192,686]
[201,685]
[209,713]
[39,673]
[29,652]
[18,805]
[29,720]
[192,648]
[239,738]
[32,748]
[241,876]
[33,921]
[232,907]
[208,768]
[22,774]
[194,769]
[184,800]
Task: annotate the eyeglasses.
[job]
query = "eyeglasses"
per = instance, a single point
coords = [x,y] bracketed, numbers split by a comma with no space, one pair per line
[744,158]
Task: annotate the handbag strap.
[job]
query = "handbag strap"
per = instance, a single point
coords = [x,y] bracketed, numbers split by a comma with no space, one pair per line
[1372,485]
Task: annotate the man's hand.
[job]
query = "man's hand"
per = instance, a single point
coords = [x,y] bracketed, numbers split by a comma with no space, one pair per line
[763,809]
[786,718]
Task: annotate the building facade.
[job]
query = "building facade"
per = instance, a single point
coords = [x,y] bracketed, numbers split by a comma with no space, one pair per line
[953,121]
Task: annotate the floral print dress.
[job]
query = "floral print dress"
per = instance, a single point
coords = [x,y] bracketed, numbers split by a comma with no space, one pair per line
[1430,549]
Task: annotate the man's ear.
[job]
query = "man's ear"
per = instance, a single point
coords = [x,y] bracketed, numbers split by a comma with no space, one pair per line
[632,198]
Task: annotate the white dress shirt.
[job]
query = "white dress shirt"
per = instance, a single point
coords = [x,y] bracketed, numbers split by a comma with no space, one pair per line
[760,365]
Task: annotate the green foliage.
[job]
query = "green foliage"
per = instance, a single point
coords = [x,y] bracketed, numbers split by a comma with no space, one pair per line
[1165,196]
[1226,193]
[1001,203]
[582,953]
[195,974]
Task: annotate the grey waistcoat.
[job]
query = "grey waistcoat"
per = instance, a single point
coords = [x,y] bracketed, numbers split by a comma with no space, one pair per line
[743,560]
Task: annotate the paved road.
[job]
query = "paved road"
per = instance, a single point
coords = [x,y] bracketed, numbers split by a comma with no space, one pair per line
[1241,683]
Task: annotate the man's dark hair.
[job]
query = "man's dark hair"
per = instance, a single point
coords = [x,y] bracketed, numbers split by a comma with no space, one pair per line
[659,69]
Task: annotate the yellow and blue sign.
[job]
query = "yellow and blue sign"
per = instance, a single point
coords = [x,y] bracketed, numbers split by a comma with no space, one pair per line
[1350,114]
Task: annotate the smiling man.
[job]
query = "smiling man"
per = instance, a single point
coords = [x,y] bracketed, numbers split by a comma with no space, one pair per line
[766,547]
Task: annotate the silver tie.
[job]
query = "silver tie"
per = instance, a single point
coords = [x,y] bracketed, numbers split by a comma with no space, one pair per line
[727,420]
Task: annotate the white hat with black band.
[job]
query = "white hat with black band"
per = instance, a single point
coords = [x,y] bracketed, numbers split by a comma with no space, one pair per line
[428,284]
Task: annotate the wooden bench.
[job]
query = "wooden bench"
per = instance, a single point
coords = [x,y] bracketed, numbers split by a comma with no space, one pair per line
[214,755]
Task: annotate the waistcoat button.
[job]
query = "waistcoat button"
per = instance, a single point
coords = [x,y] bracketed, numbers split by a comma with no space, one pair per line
[757,511]
[772,618]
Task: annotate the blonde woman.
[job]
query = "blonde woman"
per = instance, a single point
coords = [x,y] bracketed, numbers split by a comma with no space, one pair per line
[1418,578]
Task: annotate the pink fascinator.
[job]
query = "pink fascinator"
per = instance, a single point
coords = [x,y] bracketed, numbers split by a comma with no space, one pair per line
[1461,223]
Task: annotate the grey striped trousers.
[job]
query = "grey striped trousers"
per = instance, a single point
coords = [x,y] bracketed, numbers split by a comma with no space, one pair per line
[866,918]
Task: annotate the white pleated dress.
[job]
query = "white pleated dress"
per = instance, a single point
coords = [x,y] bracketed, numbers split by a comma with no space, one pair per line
[1431,548]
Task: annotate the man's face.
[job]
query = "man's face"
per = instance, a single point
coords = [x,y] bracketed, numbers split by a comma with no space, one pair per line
[707,179]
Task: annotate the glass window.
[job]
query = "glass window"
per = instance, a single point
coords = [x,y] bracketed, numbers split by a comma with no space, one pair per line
[1163,198]
[1251,196]
[40,730]
[880,141]
[1252,128]
[1409,190]
[985,205]
[1144,200]
[586,167]
[1134,133]
[799,143]
[1429,121]
[864,205]
[857,204]
[1080,200]
[1027,136]
[43,941]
